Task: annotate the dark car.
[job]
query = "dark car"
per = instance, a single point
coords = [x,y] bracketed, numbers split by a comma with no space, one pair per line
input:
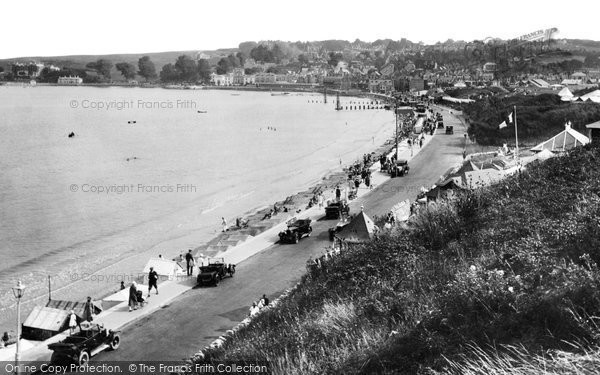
[214,272]
[336,210]
[79,347]
[449,129]
[440,124]
[399,168]
[296,229]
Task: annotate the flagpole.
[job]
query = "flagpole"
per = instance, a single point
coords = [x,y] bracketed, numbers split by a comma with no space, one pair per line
[516,136]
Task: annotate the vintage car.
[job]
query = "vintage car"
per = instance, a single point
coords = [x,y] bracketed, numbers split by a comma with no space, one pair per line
[296,229]
[449,129]
[399,168]
[337,210]
[90,340]
[214,272]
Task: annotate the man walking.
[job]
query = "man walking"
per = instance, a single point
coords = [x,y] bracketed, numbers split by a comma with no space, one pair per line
[152,280]
[88,310]
[189,259]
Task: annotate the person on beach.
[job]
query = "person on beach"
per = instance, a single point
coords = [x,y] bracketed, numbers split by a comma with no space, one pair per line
[88,310]
[72,322]
[133,304]
[224,224]
[254,309]
[152,280]
[189,259]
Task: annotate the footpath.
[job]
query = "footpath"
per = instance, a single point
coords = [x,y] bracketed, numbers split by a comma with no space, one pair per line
[118,315]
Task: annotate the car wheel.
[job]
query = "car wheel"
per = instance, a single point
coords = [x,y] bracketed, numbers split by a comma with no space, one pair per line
[83,358]
[115,342]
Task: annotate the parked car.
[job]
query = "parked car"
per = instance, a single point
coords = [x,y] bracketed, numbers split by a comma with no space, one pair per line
[336,210]
[399,168]
[440,124]
[449,129]
[80,346]
[296,229]
[214,272]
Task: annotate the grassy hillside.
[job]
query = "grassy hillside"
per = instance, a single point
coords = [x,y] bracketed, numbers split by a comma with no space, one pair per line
[538,118]
[503,279]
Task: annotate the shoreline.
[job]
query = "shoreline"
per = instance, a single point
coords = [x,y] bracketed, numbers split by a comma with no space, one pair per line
[290,87]
[199,240]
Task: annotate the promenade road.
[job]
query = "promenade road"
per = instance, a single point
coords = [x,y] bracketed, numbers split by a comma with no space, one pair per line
[193,320]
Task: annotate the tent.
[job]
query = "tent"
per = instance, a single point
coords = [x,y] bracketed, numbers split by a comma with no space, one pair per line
[565,92]
[593,96]
[163,267]
[361,229]
[563,141]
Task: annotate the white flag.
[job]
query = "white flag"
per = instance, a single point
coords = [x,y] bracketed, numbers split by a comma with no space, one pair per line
[503,125]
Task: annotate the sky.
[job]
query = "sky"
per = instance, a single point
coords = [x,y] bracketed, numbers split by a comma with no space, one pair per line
[69,27]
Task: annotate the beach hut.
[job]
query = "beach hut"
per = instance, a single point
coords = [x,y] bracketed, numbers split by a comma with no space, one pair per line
[46,321]
[563,141]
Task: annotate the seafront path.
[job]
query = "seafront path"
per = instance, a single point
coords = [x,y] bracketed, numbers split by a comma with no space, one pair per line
[199,316]
[183,319]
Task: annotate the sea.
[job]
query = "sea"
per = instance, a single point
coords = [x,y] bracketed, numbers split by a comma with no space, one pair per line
[150,171]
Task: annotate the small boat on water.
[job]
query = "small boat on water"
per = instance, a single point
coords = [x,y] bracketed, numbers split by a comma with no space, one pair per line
[280,94]
[200,111]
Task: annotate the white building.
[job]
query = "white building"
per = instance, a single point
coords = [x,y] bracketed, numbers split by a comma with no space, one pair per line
[70,80]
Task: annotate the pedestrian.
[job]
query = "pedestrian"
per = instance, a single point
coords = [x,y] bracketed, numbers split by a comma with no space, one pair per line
[189,259]
[133,304]
[368,181]
[421,142]
[253,309]
[88,310]
[224,224]
[152,280]
[320,200]
[122,285]
[265,300]
[356,183]
[72,321]
[338,193]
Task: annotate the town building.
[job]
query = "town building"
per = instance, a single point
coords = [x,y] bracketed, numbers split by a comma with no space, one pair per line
[70,80]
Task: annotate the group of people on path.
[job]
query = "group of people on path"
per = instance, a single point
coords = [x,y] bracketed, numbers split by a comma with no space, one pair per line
[256,307]
[88,315]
